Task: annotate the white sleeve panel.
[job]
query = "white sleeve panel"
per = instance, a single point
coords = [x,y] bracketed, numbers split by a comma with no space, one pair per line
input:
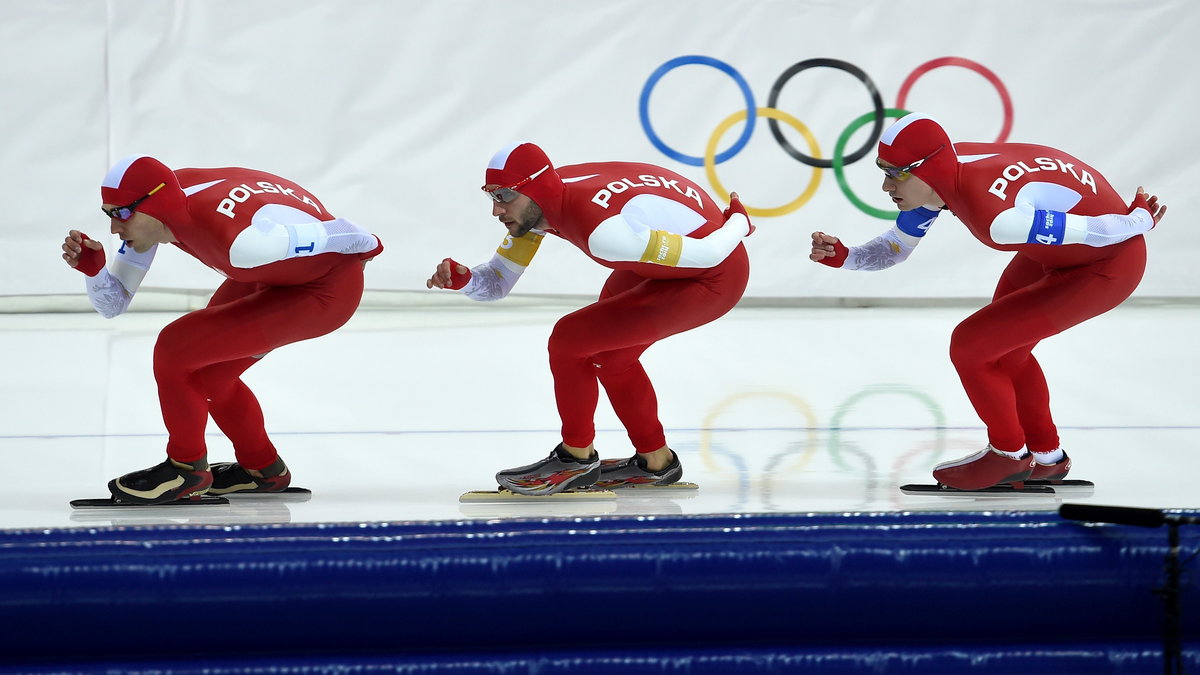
[130,267]
[652,212]
[278,232]
[625,236]
[1039,216]
[716,247]
[882,252]
[107,295]
[619,239]
[1114,228]
[493,280]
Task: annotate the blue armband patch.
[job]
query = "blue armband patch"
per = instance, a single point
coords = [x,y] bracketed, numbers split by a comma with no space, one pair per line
[1048,228]
[916,223]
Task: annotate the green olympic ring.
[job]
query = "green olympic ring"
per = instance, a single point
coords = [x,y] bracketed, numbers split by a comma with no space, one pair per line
[839,170]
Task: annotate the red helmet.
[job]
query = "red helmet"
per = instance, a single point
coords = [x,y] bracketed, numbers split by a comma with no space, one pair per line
[919,139]
[525,168]
[135,177]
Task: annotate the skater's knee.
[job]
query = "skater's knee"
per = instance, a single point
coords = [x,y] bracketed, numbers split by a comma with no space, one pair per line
[967,347]
[567,343]
[175,355]
[615,365]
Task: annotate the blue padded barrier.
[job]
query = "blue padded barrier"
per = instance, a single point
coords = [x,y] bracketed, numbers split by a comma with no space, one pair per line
[1028,659]
[775,584]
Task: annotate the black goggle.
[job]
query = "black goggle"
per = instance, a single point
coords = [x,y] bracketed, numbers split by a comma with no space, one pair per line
[903,173]
[506,193]
[124,213]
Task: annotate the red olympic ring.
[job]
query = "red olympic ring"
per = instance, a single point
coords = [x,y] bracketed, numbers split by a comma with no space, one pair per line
[991,77]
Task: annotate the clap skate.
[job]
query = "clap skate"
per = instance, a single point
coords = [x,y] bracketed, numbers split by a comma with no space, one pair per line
[633,474]
[990,473]
[558,476]
[170,483]
[1055,476]
[231,479]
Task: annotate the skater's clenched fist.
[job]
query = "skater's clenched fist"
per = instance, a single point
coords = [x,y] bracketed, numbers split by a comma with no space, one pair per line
[449,274]
[83,253]
[827,250]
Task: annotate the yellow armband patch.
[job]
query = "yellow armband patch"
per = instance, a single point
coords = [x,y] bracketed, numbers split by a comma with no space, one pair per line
[520,251]
[664,248]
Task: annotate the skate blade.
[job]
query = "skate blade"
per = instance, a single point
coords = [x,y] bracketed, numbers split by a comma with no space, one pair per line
[1065,483]
[650,487]
[291,494]
[502,495]
[111,503]
[994,491]
[1075,489]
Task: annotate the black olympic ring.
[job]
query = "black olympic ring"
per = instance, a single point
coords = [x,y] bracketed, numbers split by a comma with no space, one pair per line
[876,99]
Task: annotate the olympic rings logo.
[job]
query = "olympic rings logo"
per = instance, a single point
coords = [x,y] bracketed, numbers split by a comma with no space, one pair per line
[839,159]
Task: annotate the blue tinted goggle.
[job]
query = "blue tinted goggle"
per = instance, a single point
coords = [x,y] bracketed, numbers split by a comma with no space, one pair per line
[124,213]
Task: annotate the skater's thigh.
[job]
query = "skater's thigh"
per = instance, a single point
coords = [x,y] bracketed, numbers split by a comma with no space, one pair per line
[1026,314]
[259,321]
[638,316]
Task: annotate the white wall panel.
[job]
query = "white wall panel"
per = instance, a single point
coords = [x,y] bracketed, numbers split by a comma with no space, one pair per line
[389,109]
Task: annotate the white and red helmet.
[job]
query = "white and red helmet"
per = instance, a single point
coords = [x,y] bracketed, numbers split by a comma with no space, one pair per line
[525,168]
[136,176]
[916,137]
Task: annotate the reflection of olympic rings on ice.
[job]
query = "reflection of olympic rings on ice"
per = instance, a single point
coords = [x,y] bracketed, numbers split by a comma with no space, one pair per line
[721,408]
[850,403]
[839,160]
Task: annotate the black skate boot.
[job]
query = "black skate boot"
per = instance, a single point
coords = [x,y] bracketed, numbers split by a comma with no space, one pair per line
[619,473]
[557,473]
[231,477]
[161,483]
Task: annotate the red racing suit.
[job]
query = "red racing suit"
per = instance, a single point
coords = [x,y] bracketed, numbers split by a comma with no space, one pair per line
[1078,253]
[677,263]
[293,272]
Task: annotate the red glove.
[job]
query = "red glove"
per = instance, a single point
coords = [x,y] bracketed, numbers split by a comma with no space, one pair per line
[91,261]
[735,206]
[1140,201]
[457,279]
[839,255]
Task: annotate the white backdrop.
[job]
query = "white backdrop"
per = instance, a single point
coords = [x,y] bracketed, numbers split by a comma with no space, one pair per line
[389,109]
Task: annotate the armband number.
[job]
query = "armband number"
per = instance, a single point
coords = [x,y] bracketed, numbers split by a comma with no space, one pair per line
[520,251]
[664,248]
[1048,228]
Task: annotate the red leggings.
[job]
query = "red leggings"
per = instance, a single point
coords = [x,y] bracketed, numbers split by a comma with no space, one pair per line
[603,342]
[992,348]
[199,358]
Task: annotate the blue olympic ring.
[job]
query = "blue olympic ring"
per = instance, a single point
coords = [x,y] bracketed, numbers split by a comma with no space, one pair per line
[839,160]
[644,108]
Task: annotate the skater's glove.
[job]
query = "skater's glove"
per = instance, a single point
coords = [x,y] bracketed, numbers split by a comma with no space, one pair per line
[1142,201]
[840,252]
[1139,202]
[735,206]
[457,279]
[91,260]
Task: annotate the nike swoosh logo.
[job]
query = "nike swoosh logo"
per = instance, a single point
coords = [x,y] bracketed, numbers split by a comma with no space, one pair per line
[579,178]
[189,191]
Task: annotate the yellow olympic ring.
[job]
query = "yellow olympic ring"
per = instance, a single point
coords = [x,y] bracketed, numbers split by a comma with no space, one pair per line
[710,165]
[725,404]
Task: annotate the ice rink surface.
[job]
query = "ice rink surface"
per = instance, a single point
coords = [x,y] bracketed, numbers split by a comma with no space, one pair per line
[771,409]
